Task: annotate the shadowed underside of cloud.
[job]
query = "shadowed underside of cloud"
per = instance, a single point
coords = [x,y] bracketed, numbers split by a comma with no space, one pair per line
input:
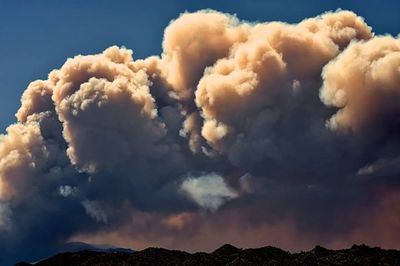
[249,133]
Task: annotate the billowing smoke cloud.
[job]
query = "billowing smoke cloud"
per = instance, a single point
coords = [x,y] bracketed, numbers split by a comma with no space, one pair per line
[363,82]
[272,74]
[298,120]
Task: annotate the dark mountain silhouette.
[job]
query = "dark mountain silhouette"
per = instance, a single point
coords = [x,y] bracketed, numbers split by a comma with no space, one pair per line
[226,255]
[75,247]
[79,246]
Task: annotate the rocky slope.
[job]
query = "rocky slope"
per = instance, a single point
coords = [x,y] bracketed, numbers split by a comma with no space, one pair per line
[227,255]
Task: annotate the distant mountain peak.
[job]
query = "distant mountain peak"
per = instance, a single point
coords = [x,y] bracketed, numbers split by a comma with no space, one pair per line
[80,246]
[226,249]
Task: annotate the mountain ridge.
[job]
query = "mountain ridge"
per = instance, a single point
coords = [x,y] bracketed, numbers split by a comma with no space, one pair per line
[227,255]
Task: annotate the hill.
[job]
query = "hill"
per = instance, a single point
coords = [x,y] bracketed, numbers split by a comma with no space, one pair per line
[227,255]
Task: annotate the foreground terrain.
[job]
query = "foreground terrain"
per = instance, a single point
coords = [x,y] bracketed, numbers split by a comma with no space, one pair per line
[227,255]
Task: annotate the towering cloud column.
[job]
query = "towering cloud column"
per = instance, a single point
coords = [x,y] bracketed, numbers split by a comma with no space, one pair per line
[239,131]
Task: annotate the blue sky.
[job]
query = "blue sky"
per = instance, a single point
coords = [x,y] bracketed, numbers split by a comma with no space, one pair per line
[37,36]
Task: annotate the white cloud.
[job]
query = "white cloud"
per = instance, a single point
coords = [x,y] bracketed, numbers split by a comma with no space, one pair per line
[208,191]
[67,191]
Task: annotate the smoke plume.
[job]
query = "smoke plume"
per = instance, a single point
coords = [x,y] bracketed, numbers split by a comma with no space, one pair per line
[249,133]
